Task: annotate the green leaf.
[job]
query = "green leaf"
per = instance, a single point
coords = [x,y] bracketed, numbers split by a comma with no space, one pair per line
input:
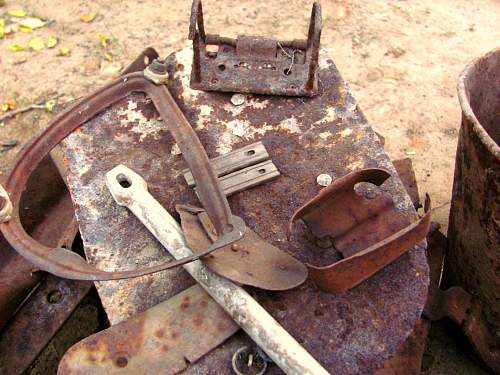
[89,17]
[36,44]
[49,105]
[17,47]
[52,42]
[103,39]
[64,51]
[17,13]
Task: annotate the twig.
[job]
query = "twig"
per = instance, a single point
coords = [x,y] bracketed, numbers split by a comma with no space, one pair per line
[39,105]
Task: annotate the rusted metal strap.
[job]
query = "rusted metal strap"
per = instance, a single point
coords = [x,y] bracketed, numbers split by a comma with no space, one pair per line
[65,263]
[364,226]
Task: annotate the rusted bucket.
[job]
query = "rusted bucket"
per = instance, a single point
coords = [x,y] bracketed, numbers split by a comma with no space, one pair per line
[473,259]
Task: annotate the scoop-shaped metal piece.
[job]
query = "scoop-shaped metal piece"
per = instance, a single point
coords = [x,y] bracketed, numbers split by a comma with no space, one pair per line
[249,261]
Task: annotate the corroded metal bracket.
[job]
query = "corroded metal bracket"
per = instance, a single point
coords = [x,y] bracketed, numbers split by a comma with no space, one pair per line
[65,263]
[252,64]
[365,227]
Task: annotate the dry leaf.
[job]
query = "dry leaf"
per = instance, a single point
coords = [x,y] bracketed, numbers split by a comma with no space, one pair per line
[64,51]
[9,105]
[25,30]
[2,29]
[17,47]
[12,28]
[17,13]
[49,105]
[31,22]
[36,44]
[52,42]
[103,39]
[89,17]
[108,57]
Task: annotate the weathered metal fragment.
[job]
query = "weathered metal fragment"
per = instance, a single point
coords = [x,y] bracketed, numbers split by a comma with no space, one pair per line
[406,173]
[241,169]
[473,258]
[249,261]
[38,320]
[163,339]
[327,134]
[46,210]
[365,227]
[252,64]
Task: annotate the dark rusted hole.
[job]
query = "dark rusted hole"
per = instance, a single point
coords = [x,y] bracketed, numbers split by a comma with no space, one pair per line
[262,171]
[250,152]
[121,361]
[292,87]
[221,67]
[287,71]
[54,297]
[215,80]
[124,181]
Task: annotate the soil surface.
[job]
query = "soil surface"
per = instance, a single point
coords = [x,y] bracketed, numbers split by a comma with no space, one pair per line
[402,59]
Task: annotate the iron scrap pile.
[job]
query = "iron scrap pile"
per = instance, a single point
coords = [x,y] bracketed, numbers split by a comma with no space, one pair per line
[237,214]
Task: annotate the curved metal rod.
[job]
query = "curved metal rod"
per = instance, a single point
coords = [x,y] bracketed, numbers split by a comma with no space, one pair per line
[64,263]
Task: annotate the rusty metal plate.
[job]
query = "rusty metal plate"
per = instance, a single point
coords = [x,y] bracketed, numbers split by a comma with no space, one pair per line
[163,339]
[351,333]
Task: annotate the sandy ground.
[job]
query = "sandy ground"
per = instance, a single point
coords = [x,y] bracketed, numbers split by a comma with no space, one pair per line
[402,59]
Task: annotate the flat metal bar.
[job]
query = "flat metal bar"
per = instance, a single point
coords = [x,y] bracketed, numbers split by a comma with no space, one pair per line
[249,177]
[233,161]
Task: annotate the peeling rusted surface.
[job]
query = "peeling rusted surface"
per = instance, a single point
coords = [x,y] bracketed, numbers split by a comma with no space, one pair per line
[363,226]
[473,259]
[249,261]
[251,64]
[351,333]
[163,339]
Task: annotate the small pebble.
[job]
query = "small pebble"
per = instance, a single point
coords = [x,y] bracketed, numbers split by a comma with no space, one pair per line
[324,179]
[238,99]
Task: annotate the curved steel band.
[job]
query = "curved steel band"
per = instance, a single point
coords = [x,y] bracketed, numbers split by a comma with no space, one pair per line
[64,263]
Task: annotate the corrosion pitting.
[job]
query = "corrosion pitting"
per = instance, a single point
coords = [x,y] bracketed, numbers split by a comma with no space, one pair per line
[250,64]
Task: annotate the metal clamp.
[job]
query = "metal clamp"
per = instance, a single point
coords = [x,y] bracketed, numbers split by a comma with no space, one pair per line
[251,64]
